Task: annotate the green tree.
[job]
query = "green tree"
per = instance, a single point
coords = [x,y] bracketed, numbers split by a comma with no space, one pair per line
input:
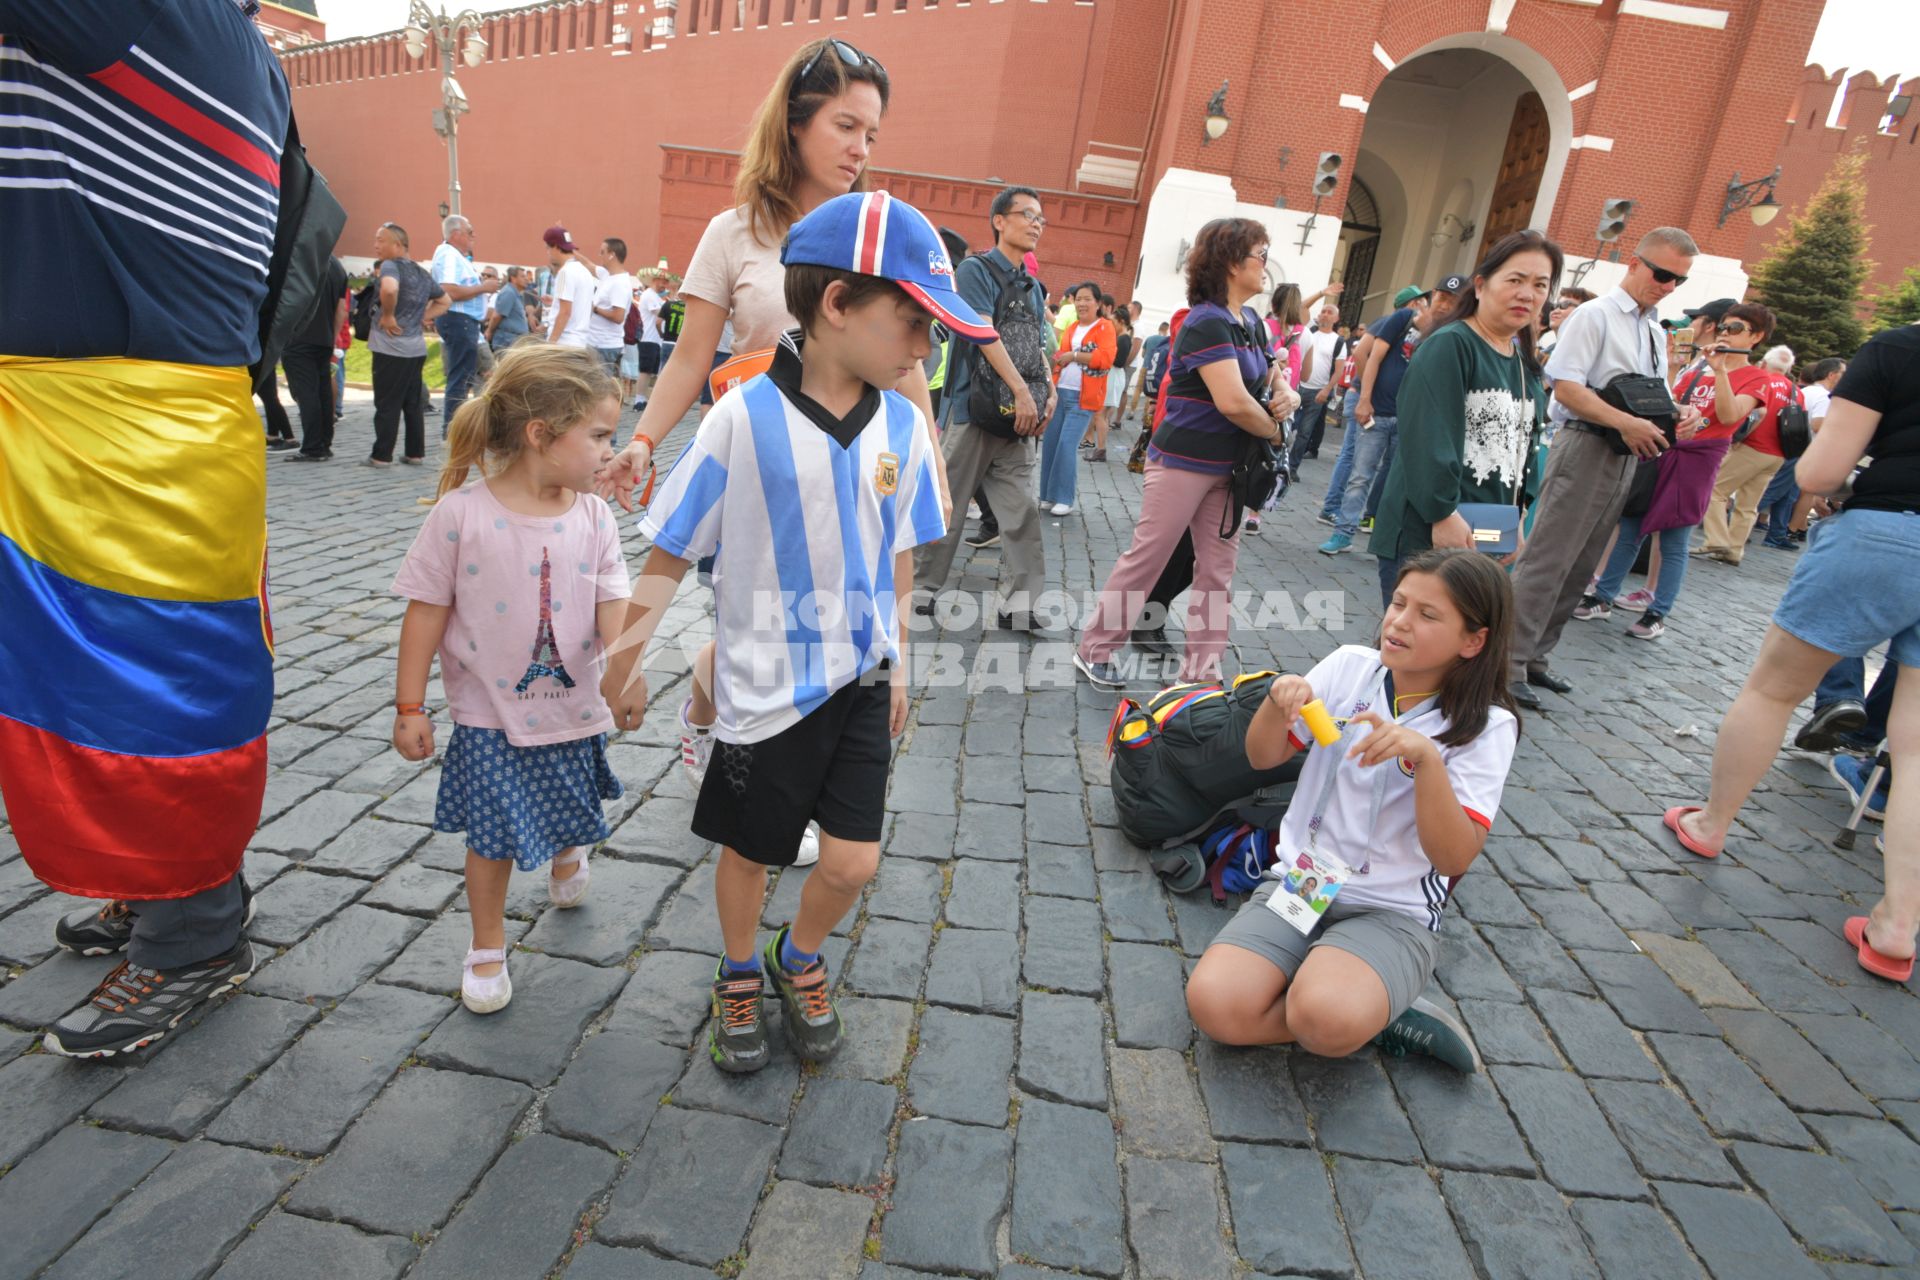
[1813,276]
[1898,303]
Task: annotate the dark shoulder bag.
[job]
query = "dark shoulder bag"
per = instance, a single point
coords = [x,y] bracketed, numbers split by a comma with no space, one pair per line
[1796,427]
[1261,473]
[1644,396]
[1646,474]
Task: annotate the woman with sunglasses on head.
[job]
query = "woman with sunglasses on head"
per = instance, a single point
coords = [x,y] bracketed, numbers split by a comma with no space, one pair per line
[809,142]
[1726,389]
[1215,375]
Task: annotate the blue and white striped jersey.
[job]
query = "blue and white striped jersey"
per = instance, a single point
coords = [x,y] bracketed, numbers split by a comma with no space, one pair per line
[804,590]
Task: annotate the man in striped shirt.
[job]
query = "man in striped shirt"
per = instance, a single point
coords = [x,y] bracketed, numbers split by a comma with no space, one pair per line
[140,159]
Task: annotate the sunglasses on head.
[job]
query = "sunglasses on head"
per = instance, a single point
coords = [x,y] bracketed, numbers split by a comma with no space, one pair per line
[1664,276]
[849,57]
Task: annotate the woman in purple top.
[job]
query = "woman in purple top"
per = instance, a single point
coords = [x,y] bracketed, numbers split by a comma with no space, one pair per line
[1218,361]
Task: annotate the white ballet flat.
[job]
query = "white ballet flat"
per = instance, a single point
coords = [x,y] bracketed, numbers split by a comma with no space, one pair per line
[485,995]
[572,891]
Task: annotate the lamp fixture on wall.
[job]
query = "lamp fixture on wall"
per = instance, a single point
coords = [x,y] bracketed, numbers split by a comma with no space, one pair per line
[1217,120]
[1451,228]
[1755,197]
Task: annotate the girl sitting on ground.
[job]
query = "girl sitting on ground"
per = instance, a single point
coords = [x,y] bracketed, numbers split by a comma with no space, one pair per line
[1397,809]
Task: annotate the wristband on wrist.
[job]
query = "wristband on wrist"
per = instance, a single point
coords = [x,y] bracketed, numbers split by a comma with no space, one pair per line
[410,708]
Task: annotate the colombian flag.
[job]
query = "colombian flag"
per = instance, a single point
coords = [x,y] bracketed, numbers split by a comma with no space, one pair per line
[136,660]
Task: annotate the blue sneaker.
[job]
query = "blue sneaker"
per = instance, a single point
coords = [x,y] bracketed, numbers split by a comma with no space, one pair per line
[1852,773]
[1334,545]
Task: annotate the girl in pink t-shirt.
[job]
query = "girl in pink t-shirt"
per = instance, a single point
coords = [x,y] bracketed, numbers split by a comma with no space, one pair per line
[517,582]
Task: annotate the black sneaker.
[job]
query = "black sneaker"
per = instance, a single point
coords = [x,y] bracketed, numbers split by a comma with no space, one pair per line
[1102,675]
[1829,725]
[89,932]
[737,1036]
[1429,1031]
[1151,640]
[812,1024]
[133,1007]
[279,444]
[987,536]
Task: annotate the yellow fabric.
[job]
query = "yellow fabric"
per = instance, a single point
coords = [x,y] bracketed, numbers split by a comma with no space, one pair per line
[137,476]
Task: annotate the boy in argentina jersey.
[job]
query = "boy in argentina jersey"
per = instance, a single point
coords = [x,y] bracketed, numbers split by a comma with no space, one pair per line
[820,481]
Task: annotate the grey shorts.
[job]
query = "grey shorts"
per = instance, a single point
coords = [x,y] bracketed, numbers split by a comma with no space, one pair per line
[1394,945]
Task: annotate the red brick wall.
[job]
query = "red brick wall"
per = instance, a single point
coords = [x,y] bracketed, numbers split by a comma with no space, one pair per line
[1809,150]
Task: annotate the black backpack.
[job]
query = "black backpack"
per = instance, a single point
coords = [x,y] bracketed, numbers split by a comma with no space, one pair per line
[305,231]
[366,303]
[1023,333]
[1795,427]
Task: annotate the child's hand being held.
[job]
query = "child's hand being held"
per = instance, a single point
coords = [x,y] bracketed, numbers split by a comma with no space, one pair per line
[1390,741]
[626,696]
[413,736]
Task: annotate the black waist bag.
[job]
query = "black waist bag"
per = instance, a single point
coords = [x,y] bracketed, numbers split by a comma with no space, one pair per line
[1643,397]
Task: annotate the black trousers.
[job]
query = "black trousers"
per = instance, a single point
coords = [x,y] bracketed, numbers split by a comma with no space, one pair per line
[278,425]
[310,379]
[398,391]
[1175,578]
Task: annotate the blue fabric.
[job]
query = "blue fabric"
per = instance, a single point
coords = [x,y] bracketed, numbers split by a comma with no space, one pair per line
[1060,451]
[740,968]
[1626,549]
[1391,330]
[1838,598]
[1309,426]
[974,281]
[773,448]
[459,357]
[115,213]
[1343,465]
[450,266]
[511,306]
[524,803]
[1372,454]
[1777,504]
[792,958]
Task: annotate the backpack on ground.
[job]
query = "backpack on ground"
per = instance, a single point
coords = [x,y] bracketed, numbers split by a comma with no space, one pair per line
[673,317]
[1179,760]
[1023,332]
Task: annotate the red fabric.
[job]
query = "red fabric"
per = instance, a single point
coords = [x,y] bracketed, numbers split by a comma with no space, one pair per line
[113,826]
[189,119]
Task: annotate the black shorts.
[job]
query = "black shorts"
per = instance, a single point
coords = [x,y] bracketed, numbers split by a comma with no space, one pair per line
[649,357]
[831,767]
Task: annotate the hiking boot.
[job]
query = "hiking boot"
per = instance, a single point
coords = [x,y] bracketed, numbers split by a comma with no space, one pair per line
[737,1035]
[1591,609]
[89,932]
[1650,626]
[1427,1030]
[1337,544]
[1826,729]
[132,1007]
[1102,675]
[812,1024]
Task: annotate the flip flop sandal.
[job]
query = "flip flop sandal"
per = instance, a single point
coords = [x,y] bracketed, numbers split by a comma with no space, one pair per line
[1880,966]
[1687,842]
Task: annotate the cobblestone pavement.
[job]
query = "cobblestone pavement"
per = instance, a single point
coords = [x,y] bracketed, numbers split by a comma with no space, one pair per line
[1689,1075]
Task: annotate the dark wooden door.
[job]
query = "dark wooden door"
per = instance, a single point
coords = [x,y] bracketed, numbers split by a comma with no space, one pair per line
[1521,165]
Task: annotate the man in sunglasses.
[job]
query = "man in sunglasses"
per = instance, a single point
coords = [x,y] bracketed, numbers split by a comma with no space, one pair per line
[1591,463]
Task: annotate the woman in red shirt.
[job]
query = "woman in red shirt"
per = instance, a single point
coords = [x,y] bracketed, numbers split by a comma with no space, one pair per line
[1726,389]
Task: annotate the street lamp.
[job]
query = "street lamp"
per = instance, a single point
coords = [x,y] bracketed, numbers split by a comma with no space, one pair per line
[1217,119]
[1755,197]
[427,29]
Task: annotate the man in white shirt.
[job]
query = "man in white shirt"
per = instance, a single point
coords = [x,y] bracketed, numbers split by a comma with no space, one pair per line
[612,297]
[1316,379]
[459,326]
[572,287]
[651,300]
[1591,463]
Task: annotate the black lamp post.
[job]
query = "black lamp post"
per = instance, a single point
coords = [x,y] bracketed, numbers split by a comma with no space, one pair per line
[1755,197]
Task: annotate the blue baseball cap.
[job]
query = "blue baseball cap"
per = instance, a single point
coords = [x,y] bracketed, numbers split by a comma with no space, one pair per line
[872,233]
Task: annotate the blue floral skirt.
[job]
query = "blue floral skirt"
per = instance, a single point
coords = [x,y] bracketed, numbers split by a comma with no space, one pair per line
[524,803]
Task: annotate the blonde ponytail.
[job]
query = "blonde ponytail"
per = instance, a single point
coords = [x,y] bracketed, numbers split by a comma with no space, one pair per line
[467,439]
[533,381]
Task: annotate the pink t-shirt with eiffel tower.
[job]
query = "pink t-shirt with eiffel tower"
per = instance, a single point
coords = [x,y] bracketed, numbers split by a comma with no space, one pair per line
[522,653]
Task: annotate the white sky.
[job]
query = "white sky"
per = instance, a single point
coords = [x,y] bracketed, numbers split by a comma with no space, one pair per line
[1882,36]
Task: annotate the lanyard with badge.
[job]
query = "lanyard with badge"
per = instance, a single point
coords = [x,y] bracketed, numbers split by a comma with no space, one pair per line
[1310,878]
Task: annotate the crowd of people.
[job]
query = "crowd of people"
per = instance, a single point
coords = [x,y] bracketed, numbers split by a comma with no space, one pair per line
[1513,443]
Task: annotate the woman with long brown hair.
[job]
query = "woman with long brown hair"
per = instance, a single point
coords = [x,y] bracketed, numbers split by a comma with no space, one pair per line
[1218,367]
[809,142]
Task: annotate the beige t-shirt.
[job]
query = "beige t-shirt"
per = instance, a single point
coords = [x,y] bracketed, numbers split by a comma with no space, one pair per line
[738,273]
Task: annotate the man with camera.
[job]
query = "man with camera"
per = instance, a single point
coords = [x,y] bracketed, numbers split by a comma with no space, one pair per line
[993,407]
[1611,360]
